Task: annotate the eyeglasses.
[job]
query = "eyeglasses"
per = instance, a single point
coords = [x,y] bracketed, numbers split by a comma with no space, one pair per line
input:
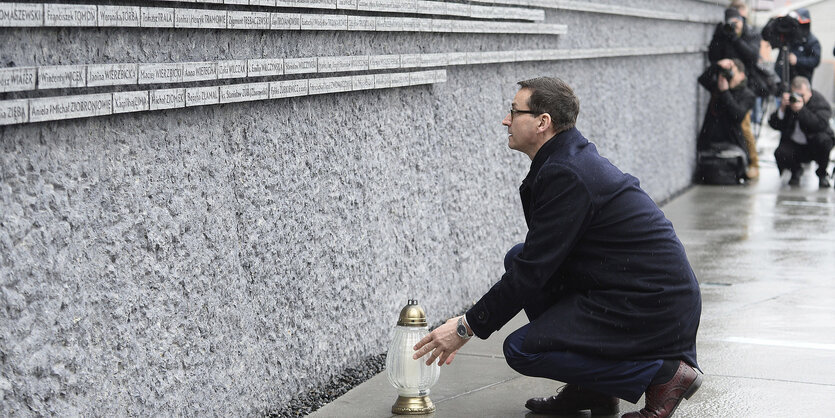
[514,112]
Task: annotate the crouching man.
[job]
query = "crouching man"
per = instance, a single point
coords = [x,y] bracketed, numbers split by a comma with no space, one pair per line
[728,113]
[803,121]
[612,301]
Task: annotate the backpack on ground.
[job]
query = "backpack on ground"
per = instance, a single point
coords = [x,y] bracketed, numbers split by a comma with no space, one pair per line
[721,164]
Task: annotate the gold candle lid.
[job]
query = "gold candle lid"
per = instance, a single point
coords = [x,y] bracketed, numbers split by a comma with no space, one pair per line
[412,315]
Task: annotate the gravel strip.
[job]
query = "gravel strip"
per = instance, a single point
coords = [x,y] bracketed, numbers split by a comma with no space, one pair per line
[308,402]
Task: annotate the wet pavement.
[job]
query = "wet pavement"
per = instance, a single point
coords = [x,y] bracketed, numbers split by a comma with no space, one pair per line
[764,254]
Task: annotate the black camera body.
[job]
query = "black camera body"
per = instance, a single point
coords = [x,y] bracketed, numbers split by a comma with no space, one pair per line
[729,27]
[781,31]
[727,73]
[796,98]
[715,72]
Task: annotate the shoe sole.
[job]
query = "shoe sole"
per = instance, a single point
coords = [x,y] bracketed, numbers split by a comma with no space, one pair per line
[690,391]
[693,386]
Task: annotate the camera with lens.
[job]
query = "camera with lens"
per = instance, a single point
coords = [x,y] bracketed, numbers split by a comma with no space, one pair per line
[781,31]
[796,98]
[729,27]
[715,71]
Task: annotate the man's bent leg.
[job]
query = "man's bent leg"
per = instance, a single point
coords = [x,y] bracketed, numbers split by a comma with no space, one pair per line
[787,155]
[513,252]
[623,379]
[819,148]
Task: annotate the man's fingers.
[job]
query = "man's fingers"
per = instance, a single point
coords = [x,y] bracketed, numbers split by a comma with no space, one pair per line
[423,341]
[440,355]
[451,356]
[422,352]
[423,346]
[435,354]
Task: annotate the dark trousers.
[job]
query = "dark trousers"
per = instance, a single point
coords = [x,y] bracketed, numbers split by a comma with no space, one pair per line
[625,379]
[789,154]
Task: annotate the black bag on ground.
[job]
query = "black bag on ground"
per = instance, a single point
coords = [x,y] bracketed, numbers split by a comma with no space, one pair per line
[721,164]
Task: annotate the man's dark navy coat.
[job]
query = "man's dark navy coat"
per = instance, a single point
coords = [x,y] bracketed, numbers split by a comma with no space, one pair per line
[602,272]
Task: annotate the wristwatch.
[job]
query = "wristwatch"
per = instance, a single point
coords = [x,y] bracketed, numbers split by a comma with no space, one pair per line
[462,329]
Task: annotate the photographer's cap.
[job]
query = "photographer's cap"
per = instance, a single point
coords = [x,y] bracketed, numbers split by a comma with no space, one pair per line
[802,15]
[732,13]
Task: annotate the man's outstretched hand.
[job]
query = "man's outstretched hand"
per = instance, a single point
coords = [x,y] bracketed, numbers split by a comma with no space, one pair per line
[445,342]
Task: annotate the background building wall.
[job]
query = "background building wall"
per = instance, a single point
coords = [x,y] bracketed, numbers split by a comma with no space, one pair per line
[224,259]
[823,27]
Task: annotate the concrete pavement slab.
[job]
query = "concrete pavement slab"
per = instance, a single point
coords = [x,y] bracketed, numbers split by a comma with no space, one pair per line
[479,365]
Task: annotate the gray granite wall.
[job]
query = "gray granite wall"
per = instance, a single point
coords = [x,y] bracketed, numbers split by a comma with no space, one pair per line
[220,260]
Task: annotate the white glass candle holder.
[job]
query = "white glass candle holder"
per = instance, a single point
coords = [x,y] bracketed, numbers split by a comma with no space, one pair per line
[411,377]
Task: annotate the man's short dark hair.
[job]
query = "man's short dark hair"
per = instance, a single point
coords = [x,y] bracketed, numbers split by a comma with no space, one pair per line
[553,96]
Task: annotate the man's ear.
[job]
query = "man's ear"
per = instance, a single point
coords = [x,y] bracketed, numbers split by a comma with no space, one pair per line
[544,123]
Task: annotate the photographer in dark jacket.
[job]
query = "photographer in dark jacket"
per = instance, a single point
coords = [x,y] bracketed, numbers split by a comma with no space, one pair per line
[803,121]
[735,39]
[730,102]
[804,49]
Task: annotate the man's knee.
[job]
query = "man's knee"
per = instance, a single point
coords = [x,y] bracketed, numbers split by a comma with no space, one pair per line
[516,358]
[820,146]
[511,352]
[787,157]
[512,253]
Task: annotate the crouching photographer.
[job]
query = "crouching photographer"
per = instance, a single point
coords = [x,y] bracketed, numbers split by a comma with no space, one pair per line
[803,121]
[723,153]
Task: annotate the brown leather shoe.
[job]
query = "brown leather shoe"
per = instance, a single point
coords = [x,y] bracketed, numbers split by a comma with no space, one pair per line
[662,400]
[573,399]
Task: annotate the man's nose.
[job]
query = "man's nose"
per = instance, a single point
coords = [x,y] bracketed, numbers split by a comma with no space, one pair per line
[506,121]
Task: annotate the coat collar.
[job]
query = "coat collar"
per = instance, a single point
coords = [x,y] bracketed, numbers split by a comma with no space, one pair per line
[558,142]
[742,84]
